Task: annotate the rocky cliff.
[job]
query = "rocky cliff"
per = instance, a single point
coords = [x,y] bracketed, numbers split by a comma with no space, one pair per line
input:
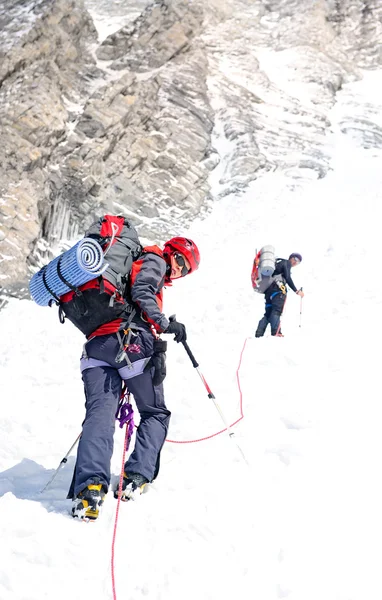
[185,96]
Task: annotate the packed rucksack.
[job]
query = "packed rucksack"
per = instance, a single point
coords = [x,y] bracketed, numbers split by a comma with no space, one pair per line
[103,299]
[263,268]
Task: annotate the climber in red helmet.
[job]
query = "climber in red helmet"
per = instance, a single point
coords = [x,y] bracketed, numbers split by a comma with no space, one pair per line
[116,352]
[181,252]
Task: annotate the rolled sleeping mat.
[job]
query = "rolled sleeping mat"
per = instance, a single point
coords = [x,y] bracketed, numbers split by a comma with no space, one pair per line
[267,261]
[78,265]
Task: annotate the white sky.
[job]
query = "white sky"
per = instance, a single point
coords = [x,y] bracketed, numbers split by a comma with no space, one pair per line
[302,521]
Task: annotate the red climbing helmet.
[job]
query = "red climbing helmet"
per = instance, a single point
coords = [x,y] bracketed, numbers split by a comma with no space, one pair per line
[185,247]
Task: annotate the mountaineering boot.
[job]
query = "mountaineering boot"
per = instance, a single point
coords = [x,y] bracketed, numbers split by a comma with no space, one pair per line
[133,485]
[88,502]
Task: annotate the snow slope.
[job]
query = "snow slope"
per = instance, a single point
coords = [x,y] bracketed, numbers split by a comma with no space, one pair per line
[301,520]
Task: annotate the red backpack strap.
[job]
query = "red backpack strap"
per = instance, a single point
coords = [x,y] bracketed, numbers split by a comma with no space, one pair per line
[153,250]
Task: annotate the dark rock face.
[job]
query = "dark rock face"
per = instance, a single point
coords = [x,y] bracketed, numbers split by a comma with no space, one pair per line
[164,30]
[141,145]
[131,124]
[79,140]
[44,63]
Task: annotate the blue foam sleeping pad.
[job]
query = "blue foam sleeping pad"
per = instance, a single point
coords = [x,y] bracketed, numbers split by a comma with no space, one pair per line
[78,265]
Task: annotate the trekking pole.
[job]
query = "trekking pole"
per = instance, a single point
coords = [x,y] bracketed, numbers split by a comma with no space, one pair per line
[300,308]
[63,461]
[195,364]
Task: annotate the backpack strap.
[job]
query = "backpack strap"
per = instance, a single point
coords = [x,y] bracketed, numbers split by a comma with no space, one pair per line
[118,290]
[101,284]
[124,340]
[64,280]
[79,300]
[51,292]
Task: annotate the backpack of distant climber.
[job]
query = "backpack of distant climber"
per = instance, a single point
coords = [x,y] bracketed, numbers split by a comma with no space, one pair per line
[263,268]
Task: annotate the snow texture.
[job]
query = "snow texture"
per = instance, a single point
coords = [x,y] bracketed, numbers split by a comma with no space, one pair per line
[301,520]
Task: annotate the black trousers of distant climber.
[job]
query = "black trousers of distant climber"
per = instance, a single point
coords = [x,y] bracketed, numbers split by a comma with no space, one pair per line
[274,304]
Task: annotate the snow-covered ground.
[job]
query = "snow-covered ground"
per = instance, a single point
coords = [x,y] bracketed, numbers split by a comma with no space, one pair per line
[301,519]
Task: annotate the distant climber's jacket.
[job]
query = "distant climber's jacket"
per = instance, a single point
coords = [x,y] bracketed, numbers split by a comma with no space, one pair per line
[283,267]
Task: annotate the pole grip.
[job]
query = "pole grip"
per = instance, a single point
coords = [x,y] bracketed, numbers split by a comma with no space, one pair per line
[190,355]
[186,346]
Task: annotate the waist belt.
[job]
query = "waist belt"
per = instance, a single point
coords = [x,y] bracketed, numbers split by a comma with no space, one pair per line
[126,372]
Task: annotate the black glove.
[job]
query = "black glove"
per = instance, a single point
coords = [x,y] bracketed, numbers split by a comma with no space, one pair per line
[179,329]
[158,361]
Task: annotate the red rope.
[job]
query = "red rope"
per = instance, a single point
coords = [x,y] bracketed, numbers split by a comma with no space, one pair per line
[208,437]
[174,442]
[117,513]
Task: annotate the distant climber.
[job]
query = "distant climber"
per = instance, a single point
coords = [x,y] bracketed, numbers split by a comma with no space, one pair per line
[275,293]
